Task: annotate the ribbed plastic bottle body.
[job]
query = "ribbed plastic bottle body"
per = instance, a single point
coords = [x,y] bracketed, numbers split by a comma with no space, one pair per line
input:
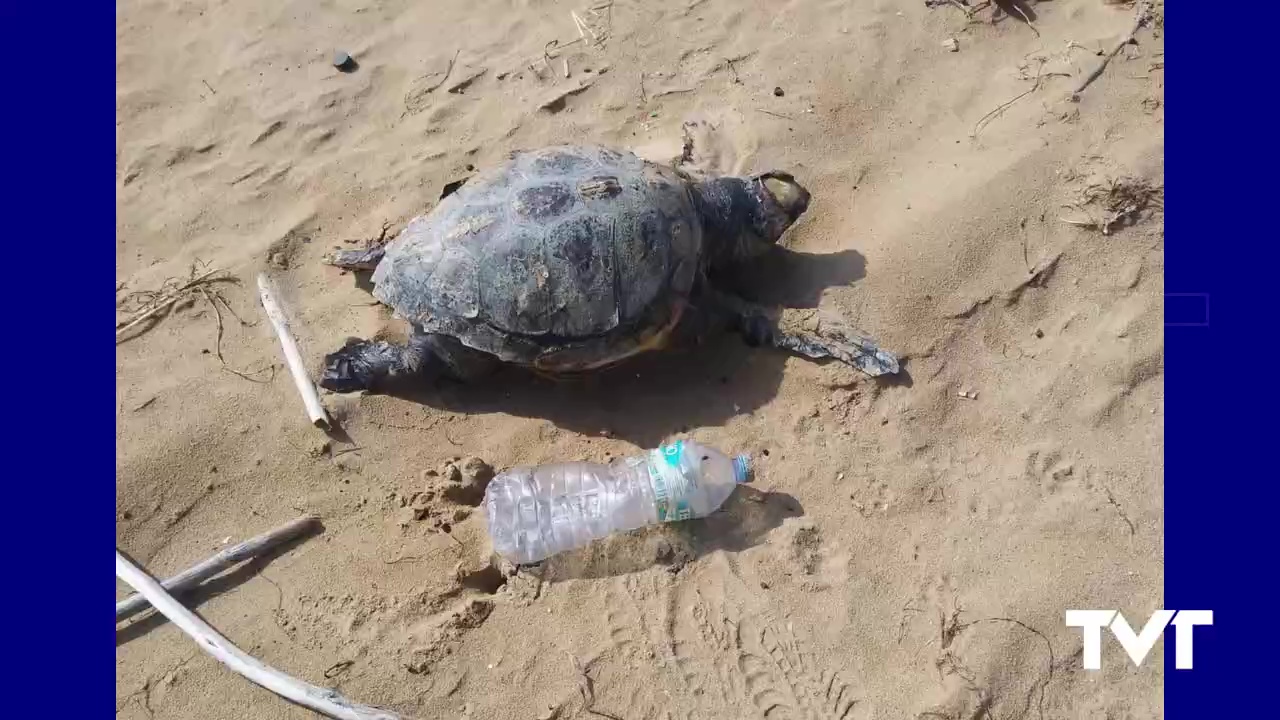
[534,513]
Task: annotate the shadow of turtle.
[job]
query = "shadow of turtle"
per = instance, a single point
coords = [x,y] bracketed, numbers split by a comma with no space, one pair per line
[791,279]
[643,400]
[743,522]
[699,381]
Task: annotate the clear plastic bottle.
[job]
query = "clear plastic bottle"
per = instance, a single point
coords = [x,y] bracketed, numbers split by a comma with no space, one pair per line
[536,512]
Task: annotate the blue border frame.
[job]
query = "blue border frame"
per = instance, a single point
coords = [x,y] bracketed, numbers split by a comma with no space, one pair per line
[1220,390]
[1186,310]
[1220,393]
[59,198]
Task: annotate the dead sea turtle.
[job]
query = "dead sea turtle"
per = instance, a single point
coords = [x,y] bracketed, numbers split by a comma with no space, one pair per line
[572,258]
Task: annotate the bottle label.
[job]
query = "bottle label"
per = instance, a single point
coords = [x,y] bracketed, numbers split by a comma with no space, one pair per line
[672,490]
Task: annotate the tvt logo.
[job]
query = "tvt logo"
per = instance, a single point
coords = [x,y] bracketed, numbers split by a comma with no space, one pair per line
[1138,644]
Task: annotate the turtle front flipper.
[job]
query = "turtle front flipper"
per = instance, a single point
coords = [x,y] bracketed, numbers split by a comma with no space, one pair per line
[805,333]
[375,364]
[362,365]
[369,364]
[366,259]
[836,340]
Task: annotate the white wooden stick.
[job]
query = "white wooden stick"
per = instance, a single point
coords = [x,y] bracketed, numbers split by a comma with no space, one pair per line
[197,574]
[323,700]
[292,357]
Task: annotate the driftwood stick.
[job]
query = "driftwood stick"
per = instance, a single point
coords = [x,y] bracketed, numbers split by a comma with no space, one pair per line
[197,574]
[1141,14]
[322,700]
[292,356]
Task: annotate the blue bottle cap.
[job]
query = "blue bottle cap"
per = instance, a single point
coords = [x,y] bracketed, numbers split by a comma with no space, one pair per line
[742,468]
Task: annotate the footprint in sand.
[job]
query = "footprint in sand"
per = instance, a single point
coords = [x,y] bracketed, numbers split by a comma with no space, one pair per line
[691,638]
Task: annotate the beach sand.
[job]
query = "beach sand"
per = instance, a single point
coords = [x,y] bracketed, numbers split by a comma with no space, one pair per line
[908,549]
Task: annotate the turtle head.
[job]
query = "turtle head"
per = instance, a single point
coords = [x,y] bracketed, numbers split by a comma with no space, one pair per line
[782,202]
[744,217]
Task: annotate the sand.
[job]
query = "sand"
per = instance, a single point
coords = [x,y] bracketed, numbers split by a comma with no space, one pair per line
[907,552]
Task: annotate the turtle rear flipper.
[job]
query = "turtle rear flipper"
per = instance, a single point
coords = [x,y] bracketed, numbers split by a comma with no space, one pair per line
[366,259]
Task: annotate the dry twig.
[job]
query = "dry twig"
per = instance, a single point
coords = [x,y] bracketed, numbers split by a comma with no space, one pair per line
[447,72]
[777,115]
[961,5]
[585,686]
[1141,16]
[604,29]
[587,689]
[1050,664]
[1111,500]
[729,63]
[1013,7]
[1037,81]
[149,303]
[201,283]
[213,298]
[583,28]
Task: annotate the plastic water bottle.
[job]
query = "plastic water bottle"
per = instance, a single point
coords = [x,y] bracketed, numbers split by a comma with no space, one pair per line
[536,512]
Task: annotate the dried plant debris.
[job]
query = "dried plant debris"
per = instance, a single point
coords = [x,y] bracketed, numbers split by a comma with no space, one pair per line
[595,23]
[145,308]
[1034,64]
[1115,203]
[1144,14]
